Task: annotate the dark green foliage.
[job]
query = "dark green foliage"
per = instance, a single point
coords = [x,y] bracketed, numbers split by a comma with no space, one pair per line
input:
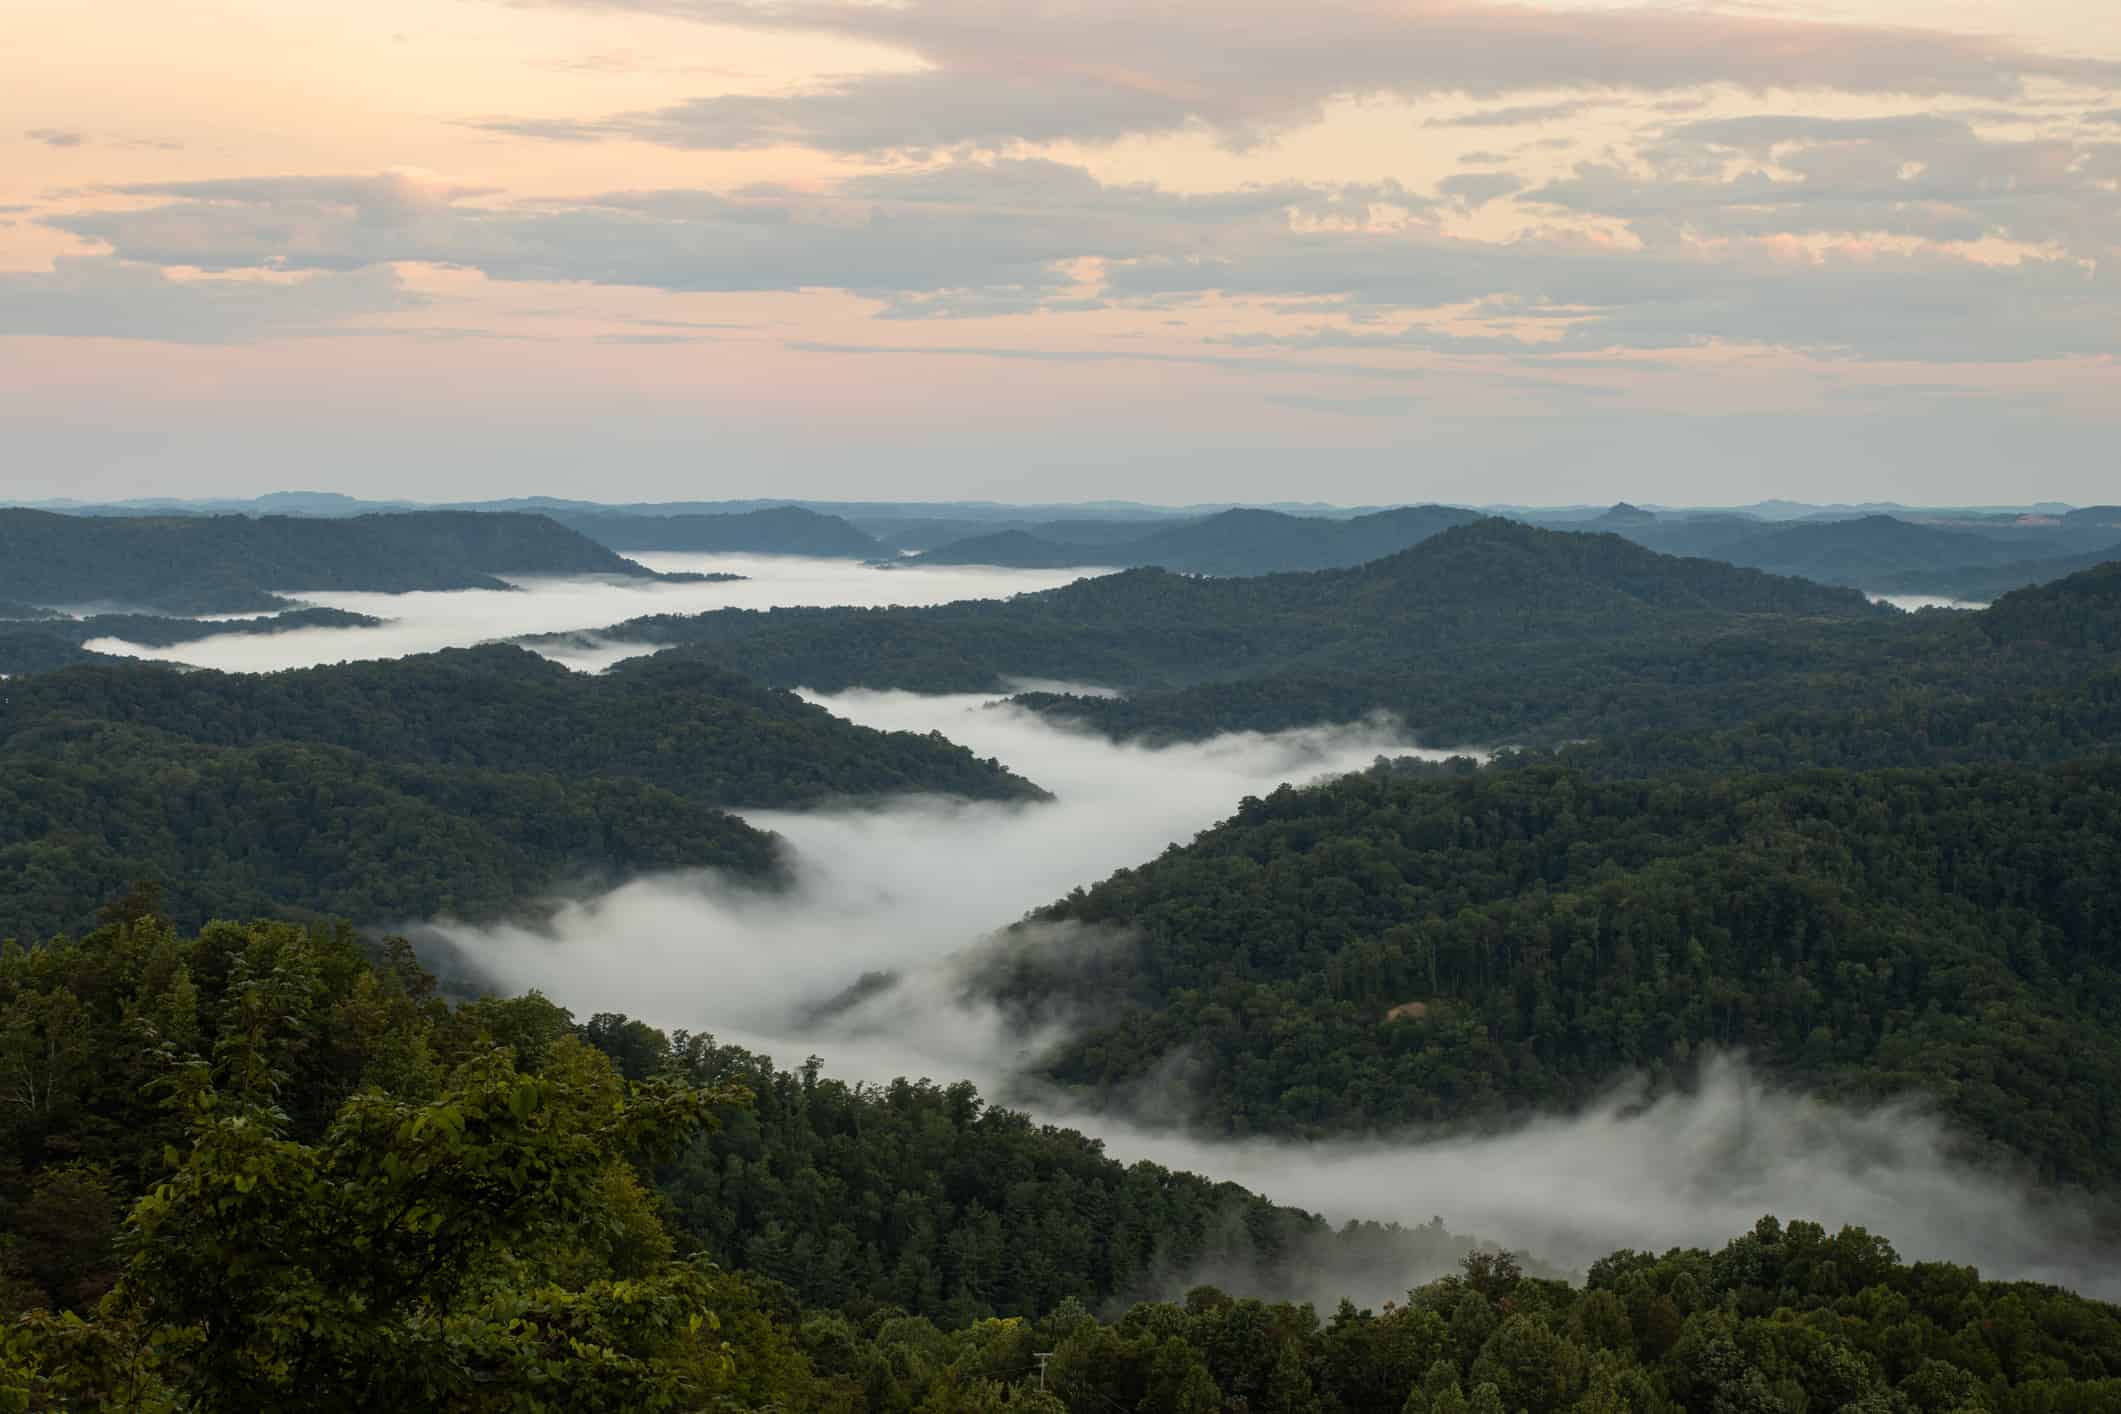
[341,1196]
[775,530]
[1784,1318]
[1906,725]
[1496,633]
[2030,679]
[467,783]
[1464,596]
[153,631]
[2080,614]
[261,1169]
[34,649]
[302,830]
[59,642]
[920,1196]
[1542,932]
[12,611]
[234,564]
[690,728]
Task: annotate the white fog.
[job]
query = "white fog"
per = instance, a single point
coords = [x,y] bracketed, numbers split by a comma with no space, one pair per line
[427,622]
[1913,602]
[908,887]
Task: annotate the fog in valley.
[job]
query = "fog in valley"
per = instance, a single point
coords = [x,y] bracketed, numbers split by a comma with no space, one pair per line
[917,888]
[427,622]
[863,962]
[902,888]
[1913,602]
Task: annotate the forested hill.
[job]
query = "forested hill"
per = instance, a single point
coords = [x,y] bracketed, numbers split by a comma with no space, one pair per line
[2031,679]
[1981,584]
[234,564]
[2081,613]
[1025,550]
[775,530]
[59,641]
[470,783]
[684,726]
[24,648]
[258,1168]
[1855,552]
[1489,633]
[1449,946]
[1234,542]
[1490,586]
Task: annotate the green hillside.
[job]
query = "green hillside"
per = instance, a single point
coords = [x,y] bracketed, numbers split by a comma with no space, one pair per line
[236,564]
[775,530]
[1393,949]
[469,782]
[317,1186]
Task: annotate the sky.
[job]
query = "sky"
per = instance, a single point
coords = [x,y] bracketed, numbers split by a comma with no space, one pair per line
[1369,251]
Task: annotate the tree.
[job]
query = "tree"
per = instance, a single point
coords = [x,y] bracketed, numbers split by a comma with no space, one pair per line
[406,1260]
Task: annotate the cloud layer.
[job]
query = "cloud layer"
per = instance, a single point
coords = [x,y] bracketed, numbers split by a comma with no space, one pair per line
[1417,230]
[1912,238]
[1100,70]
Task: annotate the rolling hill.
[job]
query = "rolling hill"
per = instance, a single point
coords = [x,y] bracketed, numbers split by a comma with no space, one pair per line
[1482,584]
[467,782]
[58,641]
[1982,583]
[1491,631]
[1857,551]
[1883,554]
[777,530]
[237,564]
[1394,949]
[1234,542]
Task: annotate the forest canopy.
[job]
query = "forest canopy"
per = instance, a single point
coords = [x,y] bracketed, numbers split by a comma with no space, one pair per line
[262,1167]
[469,783]
[239,564]
[1449,945]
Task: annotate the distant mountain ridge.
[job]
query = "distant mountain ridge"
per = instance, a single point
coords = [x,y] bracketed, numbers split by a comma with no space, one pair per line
[235,564]
[1853,551]
[774,530]
[1233,542]
[1981,583]
[1881,553]
[1308,642]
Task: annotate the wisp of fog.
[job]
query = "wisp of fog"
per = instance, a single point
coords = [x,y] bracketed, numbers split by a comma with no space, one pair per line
[911,889]
[1913,602]
[427,622]
[902,887]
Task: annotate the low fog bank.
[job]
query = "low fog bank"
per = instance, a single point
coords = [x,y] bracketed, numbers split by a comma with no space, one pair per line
[1691,1167]
[427,621]
[863,962]
[905,887]
[1913,602]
